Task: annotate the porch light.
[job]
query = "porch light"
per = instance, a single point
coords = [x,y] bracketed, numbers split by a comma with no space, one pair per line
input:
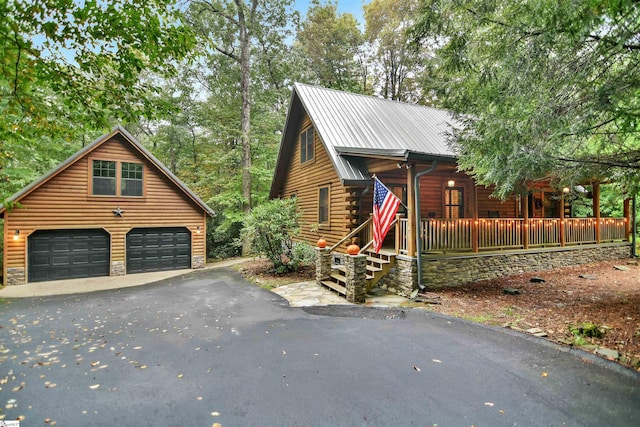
[451,183]
[198,230]
[16,236]
[566,190]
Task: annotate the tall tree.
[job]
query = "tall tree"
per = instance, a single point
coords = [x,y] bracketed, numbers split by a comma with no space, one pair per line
[331,43]
[235,29]
[69,68]
[397,63]
[541,86]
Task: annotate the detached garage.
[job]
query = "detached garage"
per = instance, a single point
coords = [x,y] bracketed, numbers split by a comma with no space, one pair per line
[111,209]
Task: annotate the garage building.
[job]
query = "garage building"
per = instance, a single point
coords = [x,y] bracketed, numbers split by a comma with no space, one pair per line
[110,209]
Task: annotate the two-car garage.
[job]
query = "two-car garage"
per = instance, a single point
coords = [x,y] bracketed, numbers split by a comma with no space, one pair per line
[79,253]
[110,209]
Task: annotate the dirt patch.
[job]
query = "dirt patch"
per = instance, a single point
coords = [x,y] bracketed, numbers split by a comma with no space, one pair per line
[564,306]
[260,271]
[573,306]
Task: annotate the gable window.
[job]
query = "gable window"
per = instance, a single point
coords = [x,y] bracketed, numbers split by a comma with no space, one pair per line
[104,178]
[306,145]
[112,178]
[131,184]
[323,206]
[453,203]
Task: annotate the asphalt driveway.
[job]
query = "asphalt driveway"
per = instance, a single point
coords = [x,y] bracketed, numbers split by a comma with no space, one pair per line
[208,348]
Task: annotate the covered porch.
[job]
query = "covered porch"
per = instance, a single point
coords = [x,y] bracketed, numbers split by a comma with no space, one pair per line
[450,231]
[455,215]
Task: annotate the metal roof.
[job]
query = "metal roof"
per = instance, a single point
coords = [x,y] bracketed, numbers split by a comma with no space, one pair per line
[353,126]
[92,146]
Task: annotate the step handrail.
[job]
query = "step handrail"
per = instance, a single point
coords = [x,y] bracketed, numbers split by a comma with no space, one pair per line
[365,247]
[350,235]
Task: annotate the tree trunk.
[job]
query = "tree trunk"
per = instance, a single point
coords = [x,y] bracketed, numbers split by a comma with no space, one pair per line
[245,113]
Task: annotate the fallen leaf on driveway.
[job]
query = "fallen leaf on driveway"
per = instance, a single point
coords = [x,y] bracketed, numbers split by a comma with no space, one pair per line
[544,374]
[416,368]
[437,360]
[95,386]
[488,403]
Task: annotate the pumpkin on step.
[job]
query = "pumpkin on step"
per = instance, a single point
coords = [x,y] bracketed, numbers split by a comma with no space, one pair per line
[322,243]
[353,249]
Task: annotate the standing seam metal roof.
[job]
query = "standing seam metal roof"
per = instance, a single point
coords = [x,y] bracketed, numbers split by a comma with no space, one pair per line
[354,124]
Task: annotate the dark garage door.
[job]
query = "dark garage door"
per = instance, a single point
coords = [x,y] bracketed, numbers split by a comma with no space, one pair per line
[158,249]
[68,254]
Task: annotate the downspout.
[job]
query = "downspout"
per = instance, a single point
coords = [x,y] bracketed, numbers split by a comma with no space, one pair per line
[416,188]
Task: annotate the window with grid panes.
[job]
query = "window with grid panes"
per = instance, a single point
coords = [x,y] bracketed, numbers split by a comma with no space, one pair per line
[454,203]
[131,184]
[104,178]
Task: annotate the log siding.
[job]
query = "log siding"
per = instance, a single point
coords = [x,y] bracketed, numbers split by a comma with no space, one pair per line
[304,180]
[66,202]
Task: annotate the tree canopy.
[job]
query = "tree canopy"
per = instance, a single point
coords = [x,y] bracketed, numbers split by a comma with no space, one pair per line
[68,68]
[541,86]
[330,42]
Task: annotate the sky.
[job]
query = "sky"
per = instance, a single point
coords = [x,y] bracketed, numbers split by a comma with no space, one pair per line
[353,7]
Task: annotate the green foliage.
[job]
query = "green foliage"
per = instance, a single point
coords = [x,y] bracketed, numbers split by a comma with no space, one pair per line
[587,329]
[69,71]
[202,142]
[330,43]
[222,239]
[395,64]
[272,228]
[540,86]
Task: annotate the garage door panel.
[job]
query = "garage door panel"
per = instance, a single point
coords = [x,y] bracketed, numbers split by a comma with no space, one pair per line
[68,254]
[158,249]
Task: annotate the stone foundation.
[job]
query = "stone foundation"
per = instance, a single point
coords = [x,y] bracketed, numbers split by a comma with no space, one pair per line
[402,279]
[197,261]
[356,278]
[459,270]
[117,268]
[15,276]
[323,264]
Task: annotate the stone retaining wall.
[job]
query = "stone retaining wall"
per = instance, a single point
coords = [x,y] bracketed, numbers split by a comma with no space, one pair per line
[455,271]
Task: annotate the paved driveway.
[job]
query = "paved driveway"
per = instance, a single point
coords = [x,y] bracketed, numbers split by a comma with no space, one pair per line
[209,348]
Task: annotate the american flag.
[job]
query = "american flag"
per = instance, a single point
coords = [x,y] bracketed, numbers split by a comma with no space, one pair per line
[385,206]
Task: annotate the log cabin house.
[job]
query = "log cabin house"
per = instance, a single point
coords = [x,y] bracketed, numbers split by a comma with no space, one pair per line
[335,142]
[110,209]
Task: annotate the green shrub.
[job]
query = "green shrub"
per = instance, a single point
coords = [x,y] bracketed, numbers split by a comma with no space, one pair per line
[587,329]
[272,228]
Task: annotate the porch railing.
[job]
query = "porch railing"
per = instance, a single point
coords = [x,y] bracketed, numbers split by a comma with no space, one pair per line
[510,233]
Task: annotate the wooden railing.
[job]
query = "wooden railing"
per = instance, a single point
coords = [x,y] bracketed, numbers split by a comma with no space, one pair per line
[612,228]
[509,233]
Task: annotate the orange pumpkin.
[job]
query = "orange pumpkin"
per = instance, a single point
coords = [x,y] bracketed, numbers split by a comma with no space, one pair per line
[353,249]
[322,243]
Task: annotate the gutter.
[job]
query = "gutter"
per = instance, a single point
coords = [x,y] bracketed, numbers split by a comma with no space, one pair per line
[416,188]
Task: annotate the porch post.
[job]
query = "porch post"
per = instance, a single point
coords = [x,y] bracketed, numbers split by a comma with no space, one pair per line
[627,218]
[411,211]
[596,208]
[399,235]
[475,224]
[525,220]
[562,224]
